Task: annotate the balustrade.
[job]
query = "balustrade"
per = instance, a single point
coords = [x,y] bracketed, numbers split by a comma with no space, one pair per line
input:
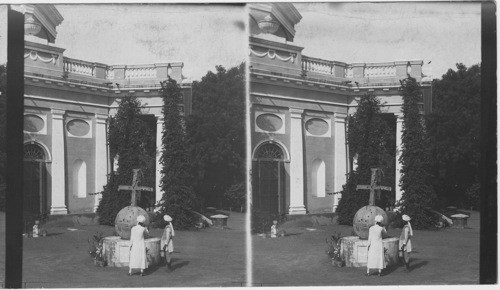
[317,65]
[110,73]
[380,70]
[140,72]
[79,67]
[84,68]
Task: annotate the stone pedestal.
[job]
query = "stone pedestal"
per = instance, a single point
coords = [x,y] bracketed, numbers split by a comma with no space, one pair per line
[355,251]
[117,251]
[219,220]
[459,220]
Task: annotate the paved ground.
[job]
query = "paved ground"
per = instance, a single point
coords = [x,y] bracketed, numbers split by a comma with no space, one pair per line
[209,257]
[448,256]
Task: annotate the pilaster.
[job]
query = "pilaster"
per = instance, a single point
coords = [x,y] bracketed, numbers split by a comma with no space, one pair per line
[58,203]
[101,157]
[340,155]
[296,163]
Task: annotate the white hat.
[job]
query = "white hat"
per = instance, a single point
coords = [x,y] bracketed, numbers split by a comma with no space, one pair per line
[141,219]
[406,218]
[167,218]
[379,218]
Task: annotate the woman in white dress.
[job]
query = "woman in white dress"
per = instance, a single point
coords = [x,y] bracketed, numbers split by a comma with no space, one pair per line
[376,259]
[138,259]
[405,241]
[167,241]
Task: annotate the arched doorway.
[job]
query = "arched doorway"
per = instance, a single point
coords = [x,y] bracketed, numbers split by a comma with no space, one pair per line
[269,179]
[35,182]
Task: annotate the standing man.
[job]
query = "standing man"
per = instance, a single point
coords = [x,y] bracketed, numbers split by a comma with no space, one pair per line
[405,241]
[167,241]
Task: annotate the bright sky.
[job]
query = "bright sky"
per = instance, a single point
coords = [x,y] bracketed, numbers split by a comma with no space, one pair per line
[201,36]
[444,33]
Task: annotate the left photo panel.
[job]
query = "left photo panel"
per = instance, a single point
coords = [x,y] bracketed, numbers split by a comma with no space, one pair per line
[3,156]
[133,163]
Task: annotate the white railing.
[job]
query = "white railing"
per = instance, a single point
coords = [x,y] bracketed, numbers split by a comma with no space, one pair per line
[348,73]
[317,65]
[110,73]
[380,70]
[140,72]
[79,67]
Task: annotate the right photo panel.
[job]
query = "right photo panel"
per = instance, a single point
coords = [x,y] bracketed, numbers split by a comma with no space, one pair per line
[364,123]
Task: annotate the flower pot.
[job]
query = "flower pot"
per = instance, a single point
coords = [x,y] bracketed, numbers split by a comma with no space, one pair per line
[100,263]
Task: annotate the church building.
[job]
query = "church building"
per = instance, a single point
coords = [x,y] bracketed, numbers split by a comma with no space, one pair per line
[67,105]
[299,110]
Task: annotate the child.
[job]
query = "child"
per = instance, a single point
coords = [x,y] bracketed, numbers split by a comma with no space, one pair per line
[36,229]
[274,229]
[167,243]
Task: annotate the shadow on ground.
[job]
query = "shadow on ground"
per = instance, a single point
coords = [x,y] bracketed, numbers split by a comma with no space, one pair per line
[208,257]
[447,256]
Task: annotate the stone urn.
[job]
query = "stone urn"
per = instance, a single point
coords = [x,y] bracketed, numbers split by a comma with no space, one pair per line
[127,218]
[365,218]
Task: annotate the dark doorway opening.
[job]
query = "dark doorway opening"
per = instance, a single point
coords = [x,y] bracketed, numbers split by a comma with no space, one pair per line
[35,183]
[269,180]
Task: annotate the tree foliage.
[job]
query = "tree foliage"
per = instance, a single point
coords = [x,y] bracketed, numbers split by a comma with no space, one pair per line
[3,132]
[178,197]
[454,128]
[132,141]
[416,172]
[216,132]
[371,137]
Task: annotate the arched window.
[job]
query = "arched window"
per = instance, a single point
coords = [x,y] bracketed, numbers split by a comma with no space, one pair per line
[269,151]
[33,152]
[80,178]
[318,178]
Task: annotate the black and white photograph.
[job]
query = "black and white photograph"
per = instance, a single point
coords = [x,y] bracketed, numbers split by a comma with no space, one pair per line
[248,144]
[133,145]
[365,130]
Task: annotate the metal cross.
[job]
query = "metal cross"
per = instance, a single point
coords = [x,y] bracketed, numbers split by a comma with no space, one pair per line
[134,187]
[373,186]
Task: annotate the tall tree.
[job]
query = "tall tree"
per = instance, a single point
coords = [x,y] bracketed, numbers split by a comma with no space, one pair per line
[130,139]
[217,135]
[176,183]
[454,128]
[416,172]
[372,139]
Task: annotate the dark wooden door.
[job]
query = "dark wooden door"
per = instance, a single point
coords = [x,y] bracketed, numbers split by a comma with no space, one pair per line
[35,182]
[269,186]
[32,189]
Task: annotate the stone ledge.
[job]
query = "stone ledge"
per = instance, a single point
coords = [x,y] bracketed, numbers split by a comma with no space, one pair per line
[117,251]
[355,251]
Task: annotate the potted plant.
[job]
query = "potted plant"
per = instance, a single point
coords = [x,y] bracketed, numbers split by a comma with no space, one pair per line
[334,250]
[96,249]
